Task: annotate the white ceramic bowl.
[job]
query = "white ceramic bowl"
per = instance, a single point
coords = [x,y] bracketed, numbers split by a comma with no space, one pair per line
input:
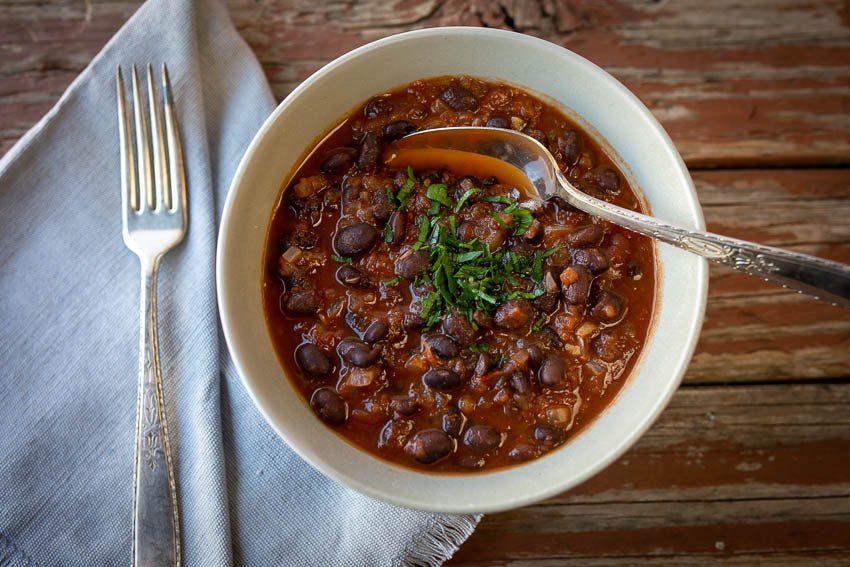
[585,92]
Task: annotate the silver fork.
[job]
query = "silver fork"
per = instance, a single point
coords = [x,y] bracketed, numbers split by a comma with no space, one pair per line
[153,204]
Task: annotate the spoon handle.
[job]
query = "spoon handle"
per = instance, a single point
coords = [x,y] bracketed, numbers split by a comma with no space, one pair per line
[822,279]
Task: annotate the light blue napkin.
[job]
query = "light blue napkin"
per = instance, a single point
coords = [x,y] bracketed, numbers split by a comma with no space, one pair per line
[69,296]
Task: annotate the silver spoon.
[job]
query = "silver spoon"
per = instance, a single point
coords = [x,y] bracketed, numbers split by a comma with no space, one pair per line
[534,169]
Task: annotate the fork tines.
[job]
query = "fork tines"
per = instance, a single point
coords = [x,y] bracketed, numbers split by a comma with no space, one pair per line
[152,175]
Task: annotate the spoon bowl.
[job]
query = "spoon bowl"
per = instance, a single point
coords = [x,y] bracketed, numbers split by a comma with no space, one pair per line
[522,161]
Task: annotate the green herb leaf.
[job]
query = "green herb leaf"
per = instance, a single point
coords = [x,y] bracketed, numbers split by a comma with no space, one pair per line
[406,190]
[439,193]
[341,259]
[498,218]
[392,281]
[522,220]
[388,233]
[538,324]
[468,256]
[479,347]
[498,199]
[465,197]
[391,198]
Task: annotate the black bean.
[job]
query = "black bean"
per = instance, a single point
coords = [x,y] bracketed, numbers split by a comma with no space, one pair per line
[313,360]
[381,206]
[404,406]
[633,269]
[370,152]
[553,371]
[569,146]
[302,302]
[350,276]
[376,106]
[605,346]
[355,239]
[547,435]
[519,383]
[538,135]
[483,319]
[586,236]
[351,187]
[547,303]
[338,162]
[482,438]
[358,353]
[453,422]
[593,259]
[609,307]
[458,327]
[412,322]
[459,98]
[521,452]
[398,129]
[397,226]
[442,346]
[483,364]
[414,264]
[441,379]
[551,338]
[376,331]
[429,446]
[603,177]
[498,122]
[329,405]
[580,278]
[535,356]
[514,314]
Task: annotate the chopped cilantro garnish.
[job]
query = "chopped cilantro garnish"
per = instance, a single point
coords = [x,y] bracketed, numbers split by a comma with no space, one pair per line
[341,259]
[466,275]
[479,347]
[406,190]
[499,199]
[392,281]
[388,233]
[438,192]
[538,324]
[465,197]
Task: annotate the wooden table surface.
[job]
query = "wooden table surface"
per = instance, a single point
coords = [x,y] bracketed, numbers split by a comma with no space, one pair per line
[751,461]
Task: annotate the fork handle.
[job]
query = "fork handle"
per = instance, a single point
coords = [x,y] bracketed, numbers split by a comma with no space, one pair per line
[824,280]
[156,539]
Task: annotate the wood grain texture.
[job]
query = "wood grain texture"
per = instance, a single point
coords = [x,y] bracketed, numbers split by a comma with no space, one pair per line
[756,331]
[756,83]
[728,475]
[750,464]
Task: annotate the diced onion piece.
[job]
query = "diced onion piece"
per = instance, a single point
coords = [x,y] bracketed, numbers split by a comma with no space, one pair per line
[572,350]
[558,415]
[292,254]
[549,283]
[362,377]
[586,329]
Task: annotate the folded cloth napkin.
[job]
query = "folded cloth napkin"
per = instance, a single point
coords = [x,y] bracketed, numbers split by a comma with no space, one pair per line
[69,337]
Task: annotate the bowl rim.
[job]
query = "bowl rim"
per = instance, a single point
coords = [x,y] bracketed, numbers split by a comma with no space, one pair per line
[614,450]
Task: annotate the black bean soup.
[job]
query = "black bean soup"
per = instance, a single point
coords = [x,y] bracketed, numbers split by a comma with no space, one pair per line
[445,322]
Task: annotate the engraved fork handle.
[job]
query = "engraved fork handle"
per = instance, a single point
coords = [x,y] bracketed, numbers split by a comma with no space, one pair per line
[156,540]
[822,279]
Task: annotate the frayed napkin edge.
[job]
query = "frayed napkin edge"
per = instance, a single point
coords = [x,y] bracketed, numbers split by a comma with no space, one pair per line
[440,541]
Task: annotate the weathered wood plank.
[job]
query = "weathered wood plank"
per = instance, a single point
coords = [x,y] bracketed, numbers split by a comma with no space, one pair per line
[754,83]
[755,330]
[733,475]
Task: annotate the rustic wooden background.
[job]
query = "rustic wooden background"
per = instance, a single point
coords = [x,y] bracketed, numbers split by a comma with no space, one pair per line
[751,461]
